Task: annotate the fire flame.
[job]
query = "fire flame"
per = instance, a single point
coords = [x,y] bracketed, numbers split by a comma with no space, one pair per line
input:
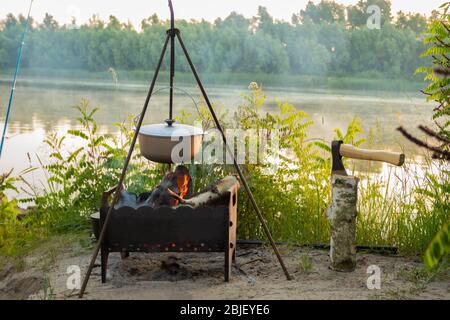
[183,186]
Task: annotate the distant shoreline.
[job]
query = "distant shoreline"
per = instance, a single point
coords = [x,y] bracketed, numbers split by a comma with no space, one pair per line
[138,80]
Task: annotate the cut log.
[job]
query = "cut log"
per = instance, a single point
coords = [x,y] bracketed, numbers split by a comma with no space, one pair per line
[214,194]
[342,213]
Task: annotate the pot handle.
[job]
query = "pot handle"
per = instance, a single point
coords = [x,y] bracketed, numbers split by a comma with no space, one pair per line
[136,118]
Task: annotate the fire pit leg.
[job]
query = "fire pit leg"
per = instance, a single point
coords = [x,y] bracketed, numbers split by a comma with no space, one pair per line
[227,266]
[229,257]
[104,263]
[230,248]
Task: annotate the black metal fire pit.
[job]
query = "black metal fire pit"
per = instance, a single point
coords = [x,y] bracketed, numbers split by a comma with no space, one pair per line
[141,228]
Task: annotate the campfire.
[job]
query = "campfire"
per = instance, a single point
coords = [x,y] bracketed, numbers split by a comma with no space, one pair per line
[176,188]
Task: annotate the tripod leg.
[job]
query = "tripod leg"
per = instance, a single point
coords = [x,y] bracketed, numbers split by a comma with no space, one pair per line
[238,168]
[122,176]
[104,263]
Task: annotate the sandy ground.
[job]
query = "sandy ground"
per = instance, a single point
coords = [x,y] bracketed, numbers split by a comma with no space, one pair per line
[257,275]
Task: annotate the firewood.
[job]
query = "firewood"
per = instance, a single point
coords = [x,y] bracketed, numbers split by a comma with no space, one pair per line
[216,193]
[178,181]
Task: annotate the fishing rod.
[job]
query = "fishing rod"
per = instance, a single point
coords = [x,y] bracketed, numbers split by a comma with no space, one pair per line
[16,73]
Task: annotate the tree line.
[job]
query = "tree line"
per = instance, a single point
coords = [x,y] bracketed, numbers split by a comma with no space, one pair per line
[326,39]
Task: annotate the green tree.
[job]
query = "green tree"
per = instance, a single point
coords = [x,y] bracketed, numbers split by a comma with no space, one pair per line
[325,12]
[150,21]
[114,23]
[318,43]
[263,20]
[10,21]
[416,22]
[49,22]
[95,22]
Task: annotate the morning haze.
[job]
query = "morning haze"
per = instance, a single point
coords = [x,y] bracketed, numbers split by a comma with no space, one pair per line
[136,10]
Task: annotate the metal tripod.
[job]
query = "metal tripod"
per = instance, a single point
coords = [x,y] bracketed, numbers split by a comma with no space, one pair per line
[173,33]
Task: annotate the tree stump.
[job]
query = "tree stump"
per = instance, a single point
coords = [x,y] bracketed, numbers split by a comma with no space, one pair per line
[342,214]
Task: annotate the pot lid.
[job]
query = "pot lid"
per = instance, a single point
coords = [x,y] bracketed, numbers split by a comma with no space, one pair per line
[175,130]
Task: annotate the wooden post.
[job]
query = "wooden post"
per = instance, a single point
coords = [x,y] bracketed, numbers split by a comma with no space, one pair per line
[342,214]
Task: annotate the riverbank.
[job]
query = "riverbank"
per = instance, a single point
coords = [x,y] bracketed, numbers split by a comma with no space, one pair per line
[42,274]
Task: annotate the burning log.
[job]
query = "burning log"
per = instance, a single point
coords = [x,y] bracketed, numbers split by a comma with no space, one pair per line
[176,188]
[216,193]
[177,183]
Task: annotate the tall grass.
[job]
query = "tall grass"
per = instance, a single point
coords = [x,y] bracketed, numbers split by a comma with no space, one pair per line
[403,208]
[400,209]
[406,210]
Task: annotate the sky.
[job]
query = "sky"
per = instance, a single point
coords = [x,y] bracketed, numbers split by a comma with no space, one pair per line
[136,10]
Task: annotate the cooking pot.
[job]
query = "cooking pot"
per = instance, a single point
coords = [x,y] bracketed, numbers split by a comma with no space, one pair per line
[170,142]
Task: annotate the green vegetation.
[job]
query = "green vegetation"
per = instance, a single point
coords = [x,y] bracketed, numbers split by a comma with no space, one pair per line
[8,209]
[393,211]
[438,248]
[318,42]
[14,231]
[438,90]
[438,41]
